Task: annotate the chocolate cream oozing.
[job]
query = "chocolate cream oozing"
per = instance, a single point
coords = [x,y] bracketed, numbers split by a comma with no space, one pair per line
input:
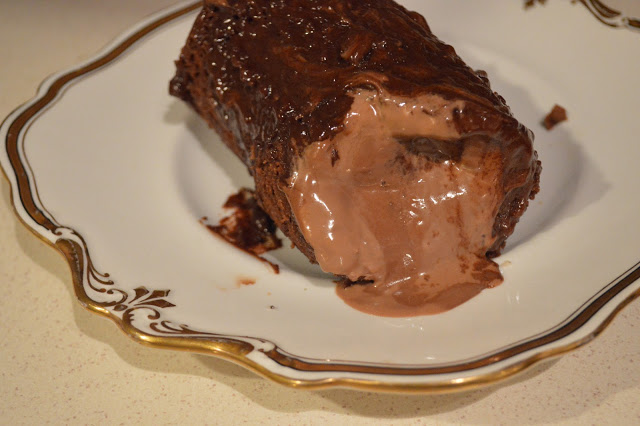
[400,205]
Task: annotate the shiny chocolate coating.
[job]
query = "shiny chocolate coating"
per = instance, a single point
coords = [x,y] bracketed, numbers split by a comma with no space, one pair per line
[273,77]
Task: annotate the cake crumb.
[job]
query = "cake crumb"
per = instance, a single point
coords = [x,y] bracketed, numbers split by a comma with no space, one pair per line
[505,264]
[557,115]
[245,281]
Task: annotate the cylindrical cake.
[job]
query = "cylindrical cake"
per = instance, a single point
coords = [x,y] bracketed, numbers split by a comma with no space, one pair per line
[373,146]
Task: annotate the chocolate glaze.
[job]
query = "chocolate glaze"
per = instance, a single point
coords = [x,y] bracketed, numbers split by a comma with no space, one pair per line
[274,77]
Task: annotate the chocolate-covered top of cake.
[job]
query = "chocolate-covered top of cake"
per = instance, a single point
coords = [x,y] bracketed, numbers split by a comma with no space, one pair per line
[318,51]
[286,69]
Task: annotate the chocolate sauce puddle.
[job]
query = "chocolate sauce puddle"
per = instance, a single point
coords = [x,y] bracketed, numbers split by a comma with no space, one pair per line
[417,297]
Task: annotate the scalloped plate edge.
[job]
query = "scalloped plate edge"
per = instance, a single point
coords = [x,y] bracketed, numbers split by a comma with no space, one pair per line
[250,352]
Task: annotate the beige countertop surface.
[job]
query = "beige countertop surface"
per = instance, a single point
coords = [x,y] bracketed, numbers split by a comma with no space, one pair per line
[61,364]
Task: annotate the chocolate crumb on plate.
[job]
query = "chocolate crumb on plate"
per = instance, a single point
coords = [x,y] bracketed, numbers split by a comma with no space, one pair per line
[557,115]
[245,281]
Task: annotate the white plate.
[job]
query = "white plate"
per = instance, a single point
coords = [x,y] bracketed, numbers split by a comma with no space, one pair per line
[115,173]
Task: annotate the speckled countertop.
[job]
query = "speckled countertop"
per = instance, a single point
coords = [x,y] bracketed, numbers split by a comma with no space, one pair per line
[61,364]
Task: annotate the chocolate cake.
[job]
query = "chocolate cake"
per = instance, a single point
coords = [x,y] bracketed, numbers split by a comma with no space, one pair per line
[373,146]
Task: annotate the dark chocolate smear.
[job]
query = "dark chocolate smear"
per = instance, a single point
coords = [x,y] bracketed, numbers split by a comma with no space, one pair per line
[248,228]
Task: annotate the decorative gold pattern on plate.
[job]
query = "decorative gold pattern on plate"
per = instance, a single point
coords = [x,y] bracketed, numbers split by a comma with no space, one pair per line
[98,292]
[610,16]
